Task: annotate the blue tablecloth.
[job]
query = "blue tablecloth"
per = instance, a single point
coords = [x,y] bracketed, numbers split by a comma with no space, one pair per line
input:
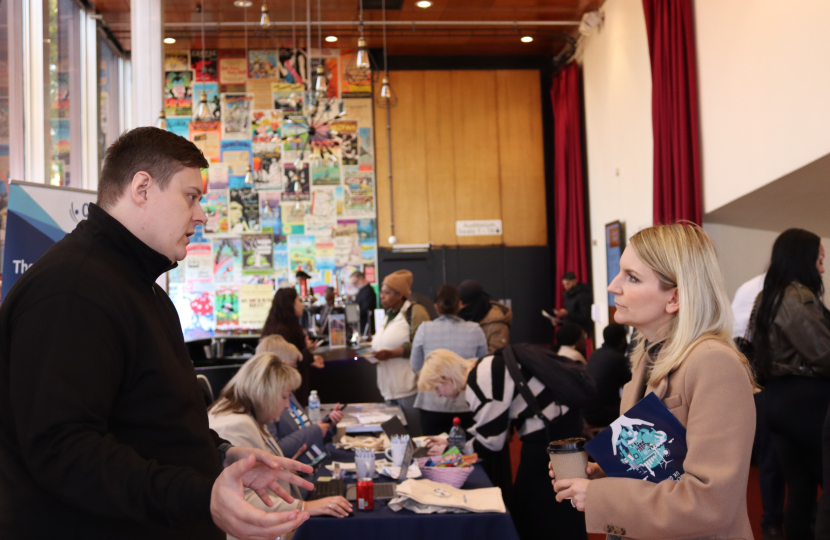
[384,524]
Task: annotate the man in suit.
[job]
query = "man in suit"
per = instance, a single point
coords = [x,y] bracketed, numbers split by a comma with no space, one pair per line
[367,300]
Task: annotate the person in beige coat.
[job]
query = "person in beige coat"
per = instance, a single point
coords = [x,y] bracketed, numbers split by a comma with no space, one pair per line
[670,288]
[494,318]
[255,397]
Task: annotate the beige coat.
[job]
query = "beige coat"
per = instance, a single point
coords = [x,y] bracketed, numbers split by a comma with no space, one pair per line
[711,394]
[496,326]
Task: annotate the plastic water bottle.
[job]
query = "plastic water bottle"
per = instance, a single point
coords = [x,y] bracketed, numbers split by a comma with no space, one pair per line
[457,436]
[314,407]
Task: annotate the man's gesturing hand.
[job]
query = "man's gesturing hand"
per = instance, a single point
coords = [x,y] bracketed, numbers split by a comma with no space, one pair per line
[234,515]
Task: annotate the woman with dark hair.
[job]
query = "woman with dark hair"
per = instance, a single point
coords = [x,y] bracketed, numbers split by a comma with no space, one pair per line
[790,334]
[284,320]
[450,332]
[494,318]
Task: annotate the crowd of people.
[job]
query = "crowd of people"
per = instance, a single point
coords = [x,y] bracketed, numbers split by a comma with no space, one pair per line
[104,424]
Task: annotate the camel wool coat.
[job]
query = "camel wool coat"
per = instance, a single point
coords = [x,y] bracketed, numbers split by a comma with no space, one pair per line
[711,394]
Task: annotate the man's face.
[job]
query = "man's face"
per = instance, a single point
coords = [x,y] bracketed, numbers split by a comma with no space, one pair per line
[568,284]
[355,281]
[171,215]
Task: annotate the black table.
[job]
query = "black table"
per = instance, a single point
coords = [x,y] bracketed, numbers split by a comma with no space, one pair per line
[347,377]
[382,523]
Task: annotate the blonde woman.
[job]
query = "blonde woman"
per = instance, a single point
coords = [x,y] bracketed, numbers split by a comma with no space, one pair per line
[294,431]
[497,407]
[670,289]
[252,399]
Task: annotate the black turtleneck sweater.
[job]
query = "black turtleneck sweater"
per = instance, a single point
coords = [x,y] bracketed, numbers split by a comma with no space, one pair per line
[103,429]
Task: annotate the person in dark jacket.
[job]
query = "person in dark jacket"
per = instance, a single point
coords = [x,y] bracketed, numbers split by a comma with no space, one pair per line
[790,334]
[494,318]
[367,300]
[103,430]
[610,369]
[284,320]
[577,303]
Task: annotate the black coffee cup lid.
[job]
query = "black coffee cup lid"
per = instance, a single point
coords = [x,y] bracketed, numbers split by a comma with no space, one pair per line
[566,446]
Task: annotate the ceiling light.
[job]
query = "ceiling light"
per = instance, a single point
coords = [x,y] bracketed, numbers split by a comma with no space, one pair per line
[170,40]
[331,39]
[243,3]
[424,4]
[527,39]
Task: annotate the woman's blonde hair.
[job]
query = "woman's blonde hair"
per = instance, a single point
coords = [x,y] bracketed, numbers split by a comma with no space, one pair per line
[257,387]
[441,365]
[278,345]
[683,256]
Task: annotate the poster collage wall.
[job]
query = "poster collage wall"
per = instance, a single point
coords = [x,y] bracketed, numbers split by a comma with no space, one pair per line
[312,204]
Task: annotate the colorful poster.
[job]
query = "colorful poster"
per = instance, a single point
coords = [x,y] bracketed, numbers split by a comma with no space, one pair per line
[347,137]
[257,253]
[301,253]
[227,260]
[236,116]
[233,67]
[244,210]
[352,83]
[293,217]
[218,176]
[319,226]
[359,203]
[211,90]
[292,66]
[296,186]
[176,275]
[337,330]
[324,202]
[281,267]
[178,100]
[358,180]
[329,58]
[215,204]
[199,262]
[207,136]
[179,126]
[360,110]
[194,302]
[262,64]
[227,308]
[346,248]
[269,213]
[260,89]
[254,305]
[208,65]
[286,96]
[366,229]
[265,125]
[369,251]
[237,155]
[325,258]
[176,61]
[267,168]
[327,174]
[366,154]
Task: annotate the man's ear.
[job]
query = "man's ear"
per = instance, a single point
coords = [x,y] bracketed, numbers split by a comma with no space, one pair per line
[139,187]
[673,305]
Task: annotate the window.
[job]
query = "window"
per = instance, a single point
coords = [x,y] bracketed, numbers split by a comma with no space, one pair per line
[108,101]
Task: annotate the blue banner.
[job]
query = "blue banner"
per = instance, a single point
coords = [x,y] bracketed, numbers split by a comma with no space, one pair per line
[38,216]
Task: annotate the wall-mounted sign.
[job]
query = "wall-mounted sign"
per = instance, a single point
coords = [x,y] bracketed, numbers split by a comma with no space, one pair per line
[478,227]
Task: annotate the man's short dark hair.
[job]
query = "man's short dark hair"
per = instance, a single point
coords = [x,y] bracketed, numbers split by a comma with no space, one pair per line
[569,334]
[614,335]
[569,275]
[158,152]
[447,300]
[358,274]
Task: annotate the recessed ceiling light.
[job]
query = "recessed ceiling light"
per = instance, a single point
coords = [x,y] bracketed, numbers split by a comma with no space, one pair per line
[526,39]
[243,3]
[424,4]
[170,40]
[331,39]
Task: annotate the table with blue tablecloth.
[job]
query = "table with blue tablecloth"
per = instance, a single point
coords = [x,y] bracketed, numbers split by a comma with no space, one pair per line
[382,523]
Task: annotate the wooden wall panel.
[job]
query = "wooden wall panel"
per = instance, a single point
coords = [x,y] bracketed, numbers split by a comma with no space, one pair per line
[442,154]
[521,158]
[475,125]
[408,158]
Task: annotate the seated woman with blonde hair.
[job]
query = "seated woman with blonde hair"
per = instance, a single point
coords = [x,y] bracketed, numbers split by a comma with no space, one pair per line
[252,399]
[293,430]
[670,289]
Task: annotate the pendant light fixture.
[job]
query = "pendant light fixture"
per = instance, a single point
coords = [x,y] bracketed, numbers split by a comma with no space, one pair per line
[386,98]
[203,110]
[321,85]
[249,176]
[161,123]
[361,67]
[264,19]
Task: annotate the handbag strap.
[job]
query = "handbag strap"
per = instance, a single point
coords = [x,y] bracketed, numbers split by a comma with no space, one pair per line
[524,389]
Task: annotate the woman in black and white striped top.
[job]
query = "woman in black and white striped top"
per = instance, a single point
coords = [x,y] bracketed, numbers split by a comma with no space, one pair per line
[498,406]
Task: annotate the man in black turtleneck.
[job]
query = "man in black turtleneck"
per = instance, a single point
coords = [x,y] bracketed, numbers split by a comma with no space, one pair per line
[103,429]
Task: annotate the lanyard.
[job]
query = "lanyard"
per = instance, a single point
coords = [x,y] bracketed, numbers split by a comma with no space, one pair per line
[297,414]
[276,452]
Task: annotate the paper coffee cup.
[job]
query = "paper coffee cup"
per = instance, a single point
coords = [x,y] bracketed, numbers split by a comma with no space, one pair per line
[568,459]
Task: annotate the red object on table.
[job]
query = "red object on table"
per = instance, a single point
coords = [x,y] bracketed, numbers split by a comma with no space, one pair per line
[365,494]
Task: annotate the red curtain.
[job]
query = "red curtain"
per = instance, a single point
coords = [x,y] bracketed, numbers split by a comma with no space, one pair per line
[671,44]
[568,179]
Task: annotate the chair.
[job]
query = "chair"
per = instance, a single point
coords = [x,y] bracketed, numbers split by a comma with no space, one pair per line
[207,390]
